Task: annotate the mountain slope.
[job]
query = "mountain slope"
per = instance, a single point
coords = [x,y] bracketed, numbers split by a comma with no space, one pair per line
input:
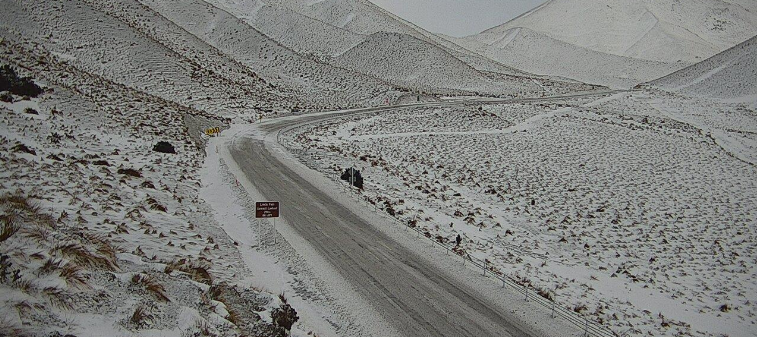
[412,63]
[131,44]
[293,29]
[312,80]
[305,25]
[658,30]
[101,44]
[730,75]
[537,53]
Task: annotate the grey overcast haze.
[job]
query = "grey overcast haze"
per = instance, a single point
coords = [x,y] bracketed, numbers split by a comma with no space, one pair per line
[457,17]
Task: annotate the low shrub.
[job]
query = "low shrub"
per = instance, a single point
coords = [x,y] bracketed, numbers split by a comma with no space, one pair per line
[21,86]
[284,316]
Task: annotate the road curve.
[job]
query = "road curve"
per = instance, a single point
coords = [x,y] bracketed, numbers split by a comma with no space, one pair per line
[412,295]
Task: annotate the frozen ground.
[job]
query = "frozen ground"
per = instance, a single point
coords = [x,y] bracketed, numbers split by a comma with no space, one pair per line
[636,209]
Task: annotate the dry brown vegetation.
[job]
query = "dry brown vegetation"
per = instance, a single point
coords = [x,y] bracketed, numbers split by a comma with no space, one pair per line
[141,316]
[196,269]
[151,285]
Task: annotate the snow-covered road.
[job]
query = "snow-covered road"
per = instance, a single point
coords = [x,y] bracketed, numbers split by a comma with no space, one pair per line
[414,295]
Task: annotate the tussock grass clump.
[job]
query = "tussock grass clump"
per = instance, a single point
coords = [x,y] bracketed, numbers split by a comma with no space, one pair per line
[130,172]
[51,265]
[141,317]
[19,208]
[73,275]
[81,255]
[196,269]
[21,148]
[38,234]
[22,284]
[151,285]
[9,226]
[58,297]
[7,328]
[104,248]
[201,328]
[155,205]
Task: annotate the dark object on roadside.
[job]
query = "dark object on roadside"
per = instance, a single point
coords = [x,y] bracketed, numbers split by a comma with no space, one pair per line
[353,176]
[284,316]
[31,111]
[164,147]
[21,86]
[458,240]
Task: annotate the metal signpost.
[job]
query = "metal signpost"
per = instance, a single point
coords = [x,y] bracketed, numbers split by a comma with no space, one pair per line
[266,210]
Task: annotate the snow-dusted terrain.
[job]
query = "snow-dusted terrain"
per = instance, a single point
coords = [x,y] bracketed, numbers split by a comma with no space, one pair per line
[730,75]
[361,37]
[658,30]
[211,70]
[616,43]
[636,209]
[102,235]
[538,53]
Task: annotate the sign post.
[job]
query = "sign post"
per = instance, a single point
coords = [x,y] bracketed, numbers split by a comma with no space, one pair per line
[267,210]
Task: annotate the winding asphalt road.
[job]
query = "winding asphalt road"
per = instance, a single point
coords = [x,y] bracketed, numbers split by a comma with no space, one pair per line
[412,295]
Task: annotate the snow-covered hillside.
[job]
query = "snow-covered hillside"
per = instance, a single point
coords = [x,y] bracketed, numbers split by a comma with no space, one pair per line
[538,53]
[293,29]
[309,79]
[94,41]
[346,33]
[101,234]
[145,50]
[730,75]
[658,30]
[414,63]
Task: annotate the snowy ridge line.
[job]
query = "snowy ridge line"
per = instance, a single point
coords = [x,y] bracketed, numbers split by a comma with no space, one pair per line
[590,326]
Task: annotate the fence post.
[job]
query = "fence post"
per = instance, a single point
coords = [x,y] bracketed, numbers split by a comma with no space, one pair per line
[525,290]
[553,309]
[484,267]
[586,327]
